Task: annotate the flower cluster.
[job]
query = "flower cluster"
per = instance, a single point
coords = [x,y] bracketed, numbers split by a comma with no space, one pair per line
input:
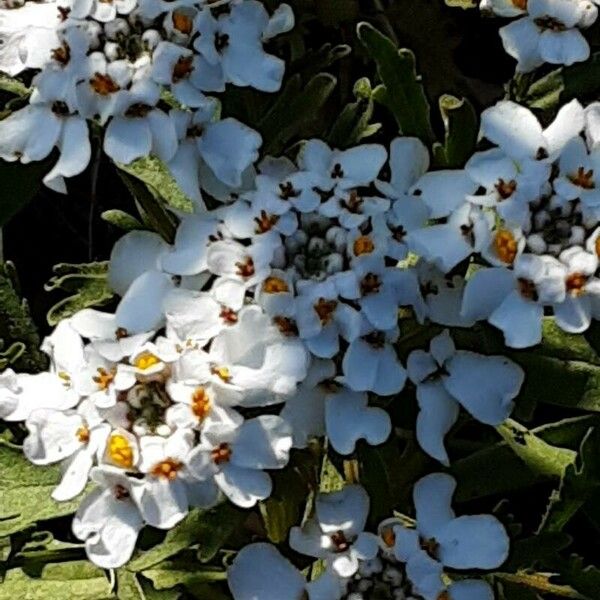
[547,31]
[139,69]
[400,562]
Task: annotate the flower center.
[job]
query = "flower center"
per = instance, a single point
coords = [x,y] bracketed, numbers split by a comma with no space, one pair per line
[431,547]
[183,68]
[246,268]
[121,333]
[527,289]
[138,110]
[221,41]
[575,284]
[229,316]
[120,451]
[354,203]
[275,285]
[583,178]
[376,339]
[221,454]
[444,596]
[505,246]
[399,233]
[339,541]
[287,191]
[167,469]
[363,245]
[506,189]
[337,172]
[83,434]
[389,537]
[120,492]
[104,85]
[200,403]
[145,361]
[182,22]
[104,378]
[550,23]
[468,233]
[521,4]
[222,373]
[66,378]
[370,284]
[265,222]
[325,309]
[62,54]
[60,108]
[286,325]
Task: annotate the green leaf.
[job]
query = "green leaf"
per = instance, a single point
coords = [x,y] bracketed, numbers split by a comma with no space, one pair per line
[354,122]
[154,173]
[296,106]
[536,552]
[461,126]
[579,483]
[464,4]
[87,283]
[132,586]
[169,574]
[26,490]
[13,86]
[584,579]
[402,91]
[208,529]
[18,185]
[76,580]
[121,219]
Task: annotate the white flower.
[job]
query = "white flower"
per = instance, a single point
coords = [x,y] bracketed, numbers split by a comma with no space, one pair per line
[260,572]
[336,533]
[514,300]
[443,540]
[549,33]
[576,179]
[99,10]
[348,418]
[446,378]
[162,499]
[352,209]
[234,458]
[108,520]
[75,437]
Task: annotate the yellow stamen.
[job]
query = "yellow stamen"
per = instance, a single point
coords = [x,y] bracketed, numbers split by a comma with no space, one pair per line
[505,246]
[167,469]
[275,285]
[104,85]
[182,23]
[363,245]
[145,361]
[221,454]
[104,378]
[83,434]
[222,372]
[200,405]
[120,451]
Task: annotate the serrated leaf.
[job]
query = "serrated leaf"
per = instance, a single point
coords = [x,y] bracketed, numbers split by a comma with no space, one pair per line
[77,580]
[579,483]
[26,492]
[87,283]
[121,219]
[154,173]
[402,91]
[296,106]
[207,529]
[461,127]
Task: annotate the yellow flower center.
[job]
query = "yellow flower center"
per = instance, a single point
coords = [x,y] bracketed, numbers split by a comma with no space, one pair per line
[505,246]
[221,454]
[325,309]
[182,23]
[200,403]
[104,378]
[167,469]
[275,285]
[145,361]
[83,434]
[120,451]
[363,245]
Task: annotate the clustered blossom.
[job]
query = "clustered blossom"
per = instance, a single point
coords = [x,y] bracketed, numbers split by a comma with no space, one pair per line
[544,31]
[397,563]
[140,70]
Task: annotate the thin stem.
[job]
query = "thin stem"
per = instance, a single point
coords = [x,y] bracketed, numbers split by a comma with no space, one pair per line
[93,198]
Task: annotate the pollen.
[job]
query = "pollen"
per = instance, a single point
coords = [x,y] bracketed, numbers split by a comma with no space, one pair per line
[104,378]
[527,289]
[201,405]
[505,246]
[167,469]
[246,268]
[83,434]
[183,68]
[182,23]
[370,284]
[506,189]
[265,222]
[275,285]
[222,373]
[221,454]
[145,361]
[120,451]
[325,309]
[575,284]
[583,178]
[104,85]
[363,245]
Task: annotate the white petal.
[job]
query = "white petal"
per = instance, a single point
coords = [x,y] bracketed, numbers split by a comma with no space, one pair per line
[444,191]
[163,503]
[127,139]
[433,498]
[520,320]
[471,589]
[485,291]
[244,487]
[345,510]
[262,443]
